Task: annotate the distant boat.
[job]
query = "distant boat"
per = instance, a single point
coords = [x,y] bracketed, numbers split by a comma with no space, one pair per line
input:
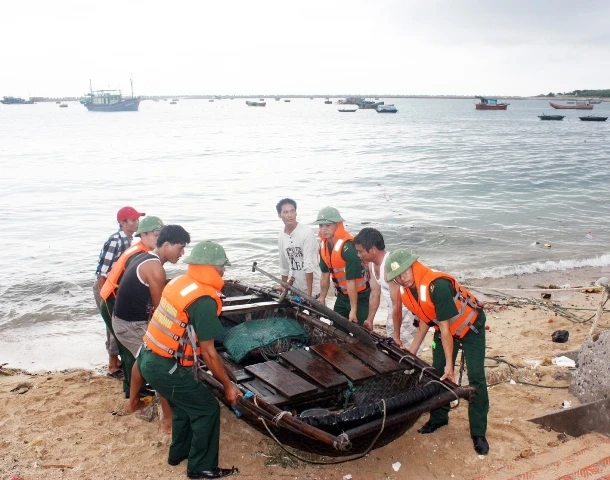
[16,101]
[286,99]
[58,102]
[551,117]
[261,99]
[63,105]
[211,100]
[173,102]
[595,101]
[386,109]
[593,118]
[277,99]
[175,99]
[109,101]
[347,110]
[578,105]
[255,104]
[490,104]
[328,102]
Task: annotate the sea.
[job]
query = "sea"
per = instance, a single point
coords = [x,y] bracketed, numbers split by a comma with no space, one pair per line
[480,194]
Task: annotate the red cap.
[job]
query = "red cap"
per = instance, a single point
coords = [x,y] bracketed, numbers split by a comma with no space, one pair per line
[128,213]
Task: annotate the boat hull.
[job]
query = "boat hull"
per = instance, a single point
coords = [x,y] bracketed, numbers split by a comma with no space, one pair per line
[551,117]
[126,105]
[593,119]
[557,106]
[483,106]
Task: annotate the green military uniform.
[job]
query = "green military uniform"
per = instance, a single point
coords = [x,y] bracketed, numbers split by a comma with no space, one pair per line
[195,410]
[353,270]
[473,344]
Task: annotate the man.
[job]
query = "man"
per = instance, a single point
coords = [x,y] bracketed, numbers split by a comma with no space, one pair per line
[439,301]
[187,317]
[117,243]
[370,246]
[138,295]
[339,259]
[298,247]
[148,231]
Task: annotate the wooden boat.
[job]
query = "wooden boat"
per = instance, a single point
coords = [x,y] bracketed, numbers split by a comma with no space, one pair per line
[287,100]
[328,391]
[109,101]
[255,104]
[490,104]
[347,110]
[551,117]
[173,103]
[63,105]
[328,101]
[593,118]
[386,109]
[16,101]
[578,105]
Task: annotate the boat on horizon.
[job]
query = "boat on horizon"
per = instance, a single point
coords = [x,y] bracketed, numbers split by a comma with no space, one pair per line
[593,118]
[251,103]
[486,103]
[63,105]
[110,101]
[573,105]
[551,117]
[348,110]
[386,109]
[16,101]
[595,101]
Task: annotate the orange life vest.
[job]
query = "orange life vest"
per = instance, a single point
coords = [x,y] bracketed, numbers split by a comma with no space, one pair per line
[169,333]
[118,268]
[467,305]
[336,264]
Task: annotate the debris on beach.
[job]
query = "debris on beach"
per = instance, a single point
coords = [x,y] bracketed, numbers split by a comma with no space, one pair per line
[560,336]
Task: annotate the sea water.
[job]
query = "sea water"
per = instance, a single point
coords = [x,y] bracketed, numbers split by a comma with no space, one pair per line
[475,193]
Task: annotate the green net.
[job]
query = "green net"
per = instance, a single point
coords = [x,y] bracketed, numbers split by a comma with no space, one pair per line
[267,335]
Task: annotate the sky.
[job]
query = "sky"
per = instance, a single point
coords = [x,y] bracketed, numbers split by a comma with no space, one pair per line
[413,47]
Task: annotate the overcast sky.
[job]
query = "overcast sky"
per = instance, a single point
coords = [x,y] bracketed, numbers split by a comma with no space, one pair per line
[464,47]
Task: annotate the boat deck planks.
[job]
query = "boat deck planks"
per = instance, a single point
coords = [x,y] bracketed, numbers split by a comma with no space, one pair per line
[314,368]
[373,358]
[287,383]
[349,366]
[265,392]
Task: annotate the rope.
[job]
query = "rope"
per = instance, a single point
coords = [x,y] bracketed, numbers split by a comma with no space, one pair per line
[278,417]
[331,462]
[527,383]
[575,289]
[421,375]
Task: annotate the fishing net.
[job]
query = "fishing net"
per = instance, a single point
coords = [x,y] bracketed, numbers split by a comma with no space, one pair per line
[267,336]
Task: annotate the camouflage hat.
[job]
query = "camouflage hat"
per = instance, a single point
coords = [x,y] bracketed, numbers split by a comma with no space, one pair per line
[398,262]
[208,253]
[149,224]
[328,215]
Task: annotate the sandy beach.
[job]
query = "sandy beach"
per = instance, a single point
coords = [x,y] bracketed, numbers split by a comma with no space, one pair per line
[64,425]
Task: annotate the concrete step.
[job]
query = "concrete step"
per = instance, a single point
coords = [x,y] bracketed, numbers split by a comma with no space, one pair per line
[585,457]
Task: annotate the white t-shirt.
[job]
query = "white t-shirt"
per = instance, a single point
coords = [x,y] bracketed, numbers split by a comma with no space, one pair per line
[299,255]
[407,330]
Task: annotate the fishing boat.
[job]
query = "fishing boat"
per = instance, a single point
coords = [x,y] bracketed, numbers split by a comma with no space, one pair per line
[551,117]
[255,104]
[16,101]
[386,109]
[63,105]
[287,100]
[328,101]
[490,104]
[593,118]
[110,101]
[173,103]
[347,110]
[573,105]
[595,101]
[315,381]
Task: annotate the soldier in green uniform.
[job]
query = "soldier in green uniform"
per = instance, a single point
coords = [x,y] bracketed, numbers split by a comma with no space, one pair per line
[189,310]
[339,260]
[433,297]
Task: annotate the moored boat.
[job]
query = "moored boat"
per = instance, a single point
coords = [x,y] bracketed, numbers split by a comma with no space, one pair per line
[286,100]
[490,104]
[347,110]
[386,109]
[16,101]
[328,101]
[551,117]
[575,105]
[310,384]
[63,105]
[110,101]
[593,118]
[255,104]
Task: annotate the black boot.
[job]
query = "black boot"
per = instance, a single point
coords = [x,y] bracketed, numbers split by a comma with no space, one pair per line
[214,473]
[480,445]
[430,427]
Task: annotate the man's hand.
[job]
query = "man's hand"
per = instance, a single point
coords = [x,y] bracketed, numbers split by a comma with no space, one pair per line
[448,374]
[368,324]
[279,288]
[231,393]
[352,316]
[322,300]
[398,342]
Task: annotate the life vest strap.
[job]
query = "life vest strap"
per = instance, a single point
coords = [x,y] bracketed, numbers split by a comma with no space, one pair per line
[170,316]
[167,332]
[166,349]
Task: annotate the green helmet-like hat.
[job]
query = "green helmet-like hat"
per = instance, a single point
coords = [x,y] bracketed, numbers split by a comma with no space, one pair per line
[328,215]
[149,224]
[208,253]
[398,262]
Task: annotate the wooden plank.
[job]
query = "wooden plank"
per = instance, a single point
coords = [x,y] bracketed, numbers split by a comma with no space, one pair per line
[349,366]
[373,358]
[236,372]
[281,379]
[249,307]
[314,368]
[265,392]
[240,299]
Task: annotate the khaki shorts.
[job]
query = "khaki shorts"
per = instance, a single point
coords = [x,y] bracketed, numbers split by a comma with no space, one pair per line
[130,334]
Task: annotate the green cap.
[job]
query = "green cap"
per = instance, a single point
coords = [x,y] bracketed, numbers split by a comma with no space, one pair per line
[398,262]
[328,215]
[149,224]
[208,253]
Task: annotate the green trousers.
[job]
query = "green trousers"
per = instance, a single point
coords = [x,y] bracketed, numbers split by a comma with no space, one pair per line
[342,306]
[195,411]
[473,345]
[127,360]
